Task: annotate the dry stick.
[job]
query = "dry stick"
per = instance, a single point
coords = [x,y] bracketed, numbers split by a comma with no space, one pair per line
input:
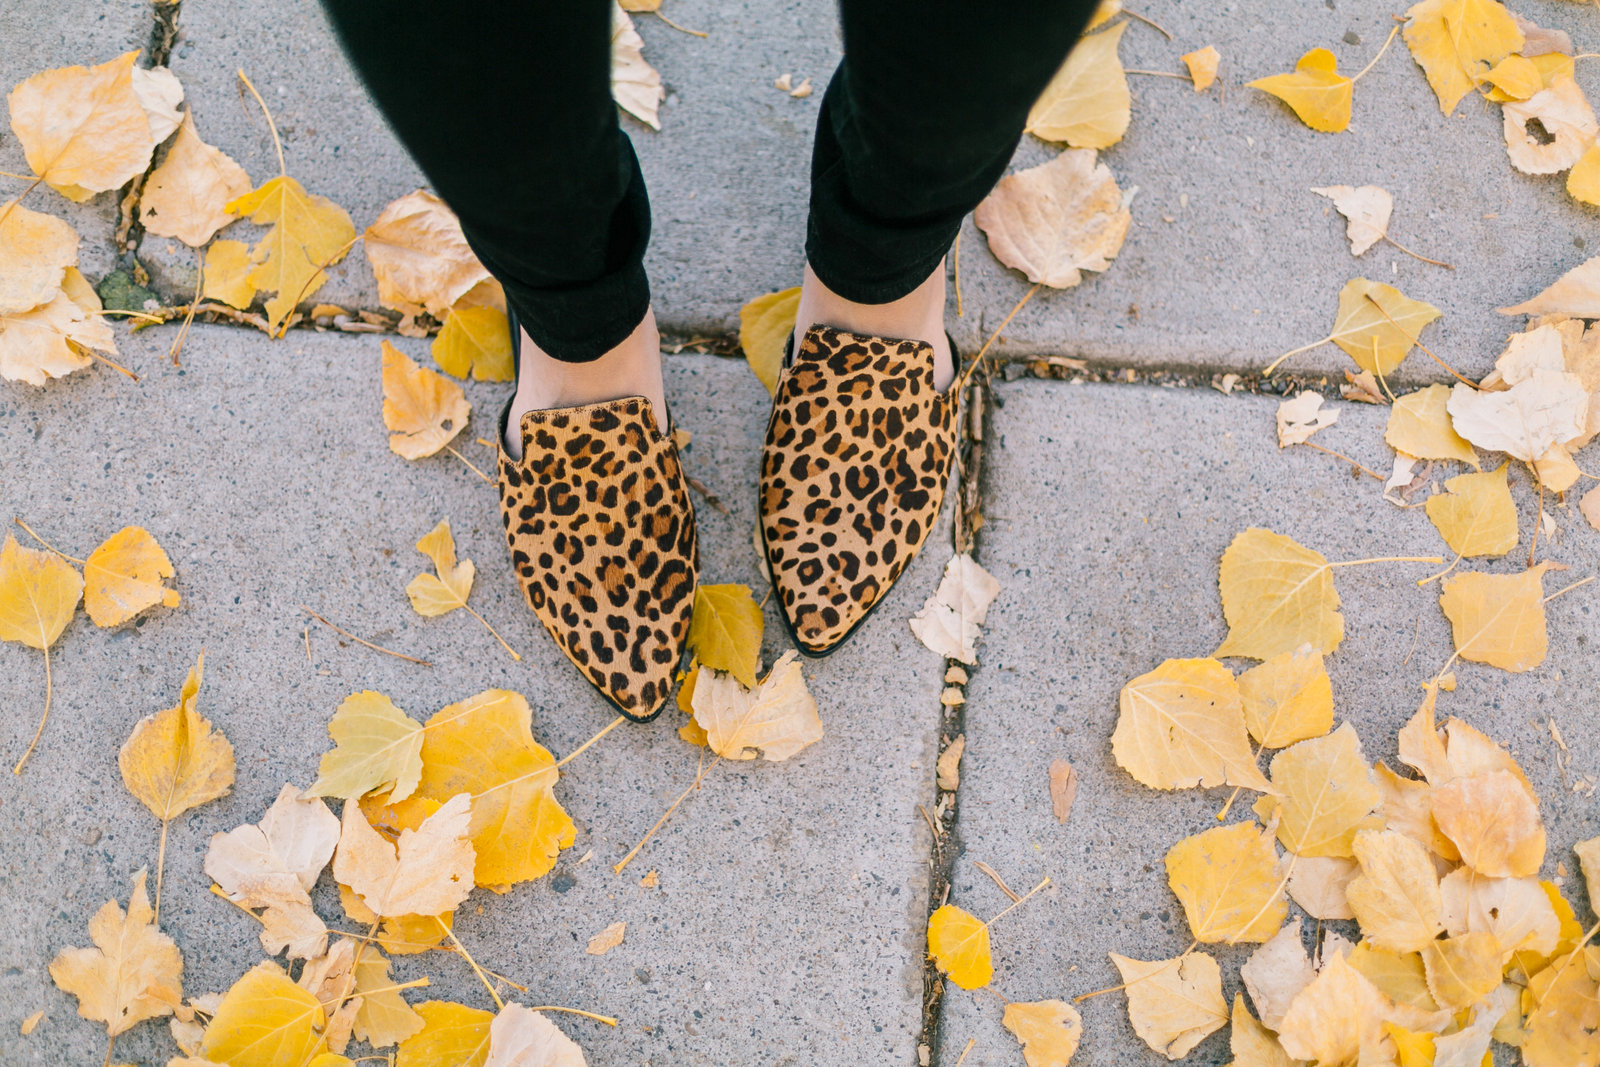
[1418,342]
[1018,902]
[306,634]
[698,778]
[1148,21]
[498,1003]
[1157,74]
[955,256]
[42,719]
[681,29]
[359,640]
[188,318]
[1124,985]
[931,828]
[468,462]
[990,871]
[514,654]
[1347,459]
[273,126]
[1414,255]
[1569,588]
[618,721]
[962,381]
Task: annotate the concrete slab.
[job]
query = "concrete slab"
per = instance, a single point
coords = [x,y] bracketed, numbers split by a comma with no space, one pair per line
[1108,508]
[787,925]
[74,33]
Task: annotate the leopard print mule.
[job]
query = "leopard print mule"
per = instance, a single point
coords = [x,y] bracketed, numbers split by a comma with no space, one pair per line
[602,538]
[853,473]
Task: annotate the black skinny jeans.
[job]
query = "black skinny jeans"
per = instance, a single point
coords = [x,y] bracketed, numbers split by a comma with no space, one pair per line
[509,114]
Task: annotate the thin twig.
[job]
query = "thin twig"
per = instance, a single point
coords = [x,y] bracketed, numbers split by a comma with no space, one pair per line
[283,170]
[970,1042]
[19,196]
[471,962]
[711,498]
[618,721]
[468,462]
[1388,559]
[358,640]
[1157,74]
[1435,578]
[698,778]
[1294,352]
[188,318]
[1018,902]
[1347,459]
[931,827]
[681,29]
[962,383]
[608,1020]
[45,543]
[42,719]
[1387,42]
[1148,22]
[1415,255]
[1538,518]
[1570,588]
[161,854]
[1416,341]
[514,654]
[990,871]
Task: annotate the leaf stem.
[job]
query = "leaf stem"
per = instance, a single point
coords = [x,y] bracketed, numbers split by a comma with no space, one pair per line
[498,1003]
[1414,255]
[113,364]
[1294,352]
[618,721]
[283,170]
[698,778]
[468,462]
[1124,985]
[1569,588]
[161,862]
[1387,42]
[1414,340]
[42,719]
[962,381]
[1018,902]
[970,1042]
[492,630]
[359,640]
[608,1020]
[1347,459]
[1148,22]
[188,318]
[1441,574]
[19,196]
[1388,559]
[1156,73]
[681,29]
[47,544]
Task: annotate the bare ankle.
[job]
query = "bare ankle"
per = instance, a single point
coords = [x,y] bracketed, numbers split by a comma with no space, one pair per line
[919,315]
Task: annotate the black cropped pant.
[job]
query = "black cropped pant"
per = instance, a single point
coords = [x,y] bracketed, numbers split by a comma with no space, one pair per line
[506,106]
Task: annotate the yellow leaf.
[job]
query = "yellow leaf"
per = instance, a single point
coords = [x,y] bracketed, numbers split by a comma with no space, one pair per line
[1498,619]
[484,746]
[1253,1045]
[1407,807]
[1565,1015]
[1412,1048]
[1400,976]
[187,196]
[959,943]
[452,1035]
[1334,1017]
[1377,325]
[1567,120]
[1277,595]
[1202,64]
[376,745]
[725,631]
[49,341]
[420,257]
[635,84]
[35,251]
[1229,881]
[1325,795]
[1173,1004]
[1086,104]
[1301,417]
[1056,220]
[1182,725]
[174,760]
[766,323]
[123,577]
[384,1017]
[227,274]
[1516,912]
[1516,78]
[1583,181]
[607,939]
[133,972]
[1104,12]
[1396,896]
[1287,698]
[690,731]
[948,768]
[308,234]
[434,595]
[1475,514]
[1494,823]
[772,722]
[1462,970]
[1419,425]
[83,129]
[424,410]
[1316,91]
[38,594]
[265,1020]
[475,340]
[1049,1031]
[1455,42]
[426,872]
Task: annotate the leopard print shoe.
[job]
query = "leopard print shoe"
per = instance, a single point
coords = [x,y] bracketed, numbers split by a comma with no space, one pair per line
[602,538]
[853,474]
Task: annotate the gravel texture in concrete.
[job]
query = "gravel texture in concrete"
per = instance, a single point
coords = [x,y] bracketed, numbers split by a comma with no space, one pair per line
[1107,511]
[787,925]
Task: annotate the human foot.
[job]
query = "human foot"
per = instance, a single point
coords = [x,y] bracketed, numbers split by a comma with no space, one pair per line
[633,368]
[918,316]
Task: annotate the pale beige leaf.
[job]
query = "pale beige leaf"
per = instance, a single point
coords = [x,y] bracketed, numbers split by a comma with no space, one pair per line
[1049,1031]
[1396,896]
[1545,409]
[1056,220]
[35,251]
[1301,417]
[420,257]
[951,620]
[1407,807]
[1320,884]
[187,196]
[1493,823]
[1087,103]
[1516,912]
[1334,1016]
[133,972]
[1575,293]
[1589,505]
[159,93]
[1566,116]
[1276,596]
[1063,789]
[607,939]
[1325,795]
[1419,425]
[520,1037]
[50,341]
[635,84]
[1366,210]
[1421,747]
[83,129]
[1182,725]
[424,409]
[774,721]
[1276,972]
[1252,1044]
[1173,1004]
[1588,853]
[427,872]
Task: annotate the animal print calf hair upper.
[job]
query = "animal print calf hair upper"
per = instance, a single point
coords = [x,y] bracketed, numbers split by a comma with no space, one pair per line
[602,538]
[857,458]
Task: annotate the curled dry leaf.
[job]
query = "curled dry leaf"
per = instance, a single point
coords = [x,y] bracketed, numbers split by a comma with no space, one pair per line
[187,196]
[1325,795]
[1498,619]
[1287,698]
[772,722]
[951,620]
[1564,113]
[1277,595]
[376,745]
[306,234]
[1202,64]
[1087,103]
[428,871]
[1173,1004]
[958,942]
[159,93]
[175,760]
[420,257]
[1048,1030]
[1456,41]
[607,939]
[1182,725]
[123,576]
[949,765]
[1366,210]
[446,590]
[1547,408]
[424,410]
[35,251]
[1230,883]
[1063,789]
[766,323]
[476,341]
[1419,425]
[1475,514]
[84,130]
[521,1037]
[1301,417]
[1058,219]
[133,972]
[1316,91]
[635,84]
[725,631]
